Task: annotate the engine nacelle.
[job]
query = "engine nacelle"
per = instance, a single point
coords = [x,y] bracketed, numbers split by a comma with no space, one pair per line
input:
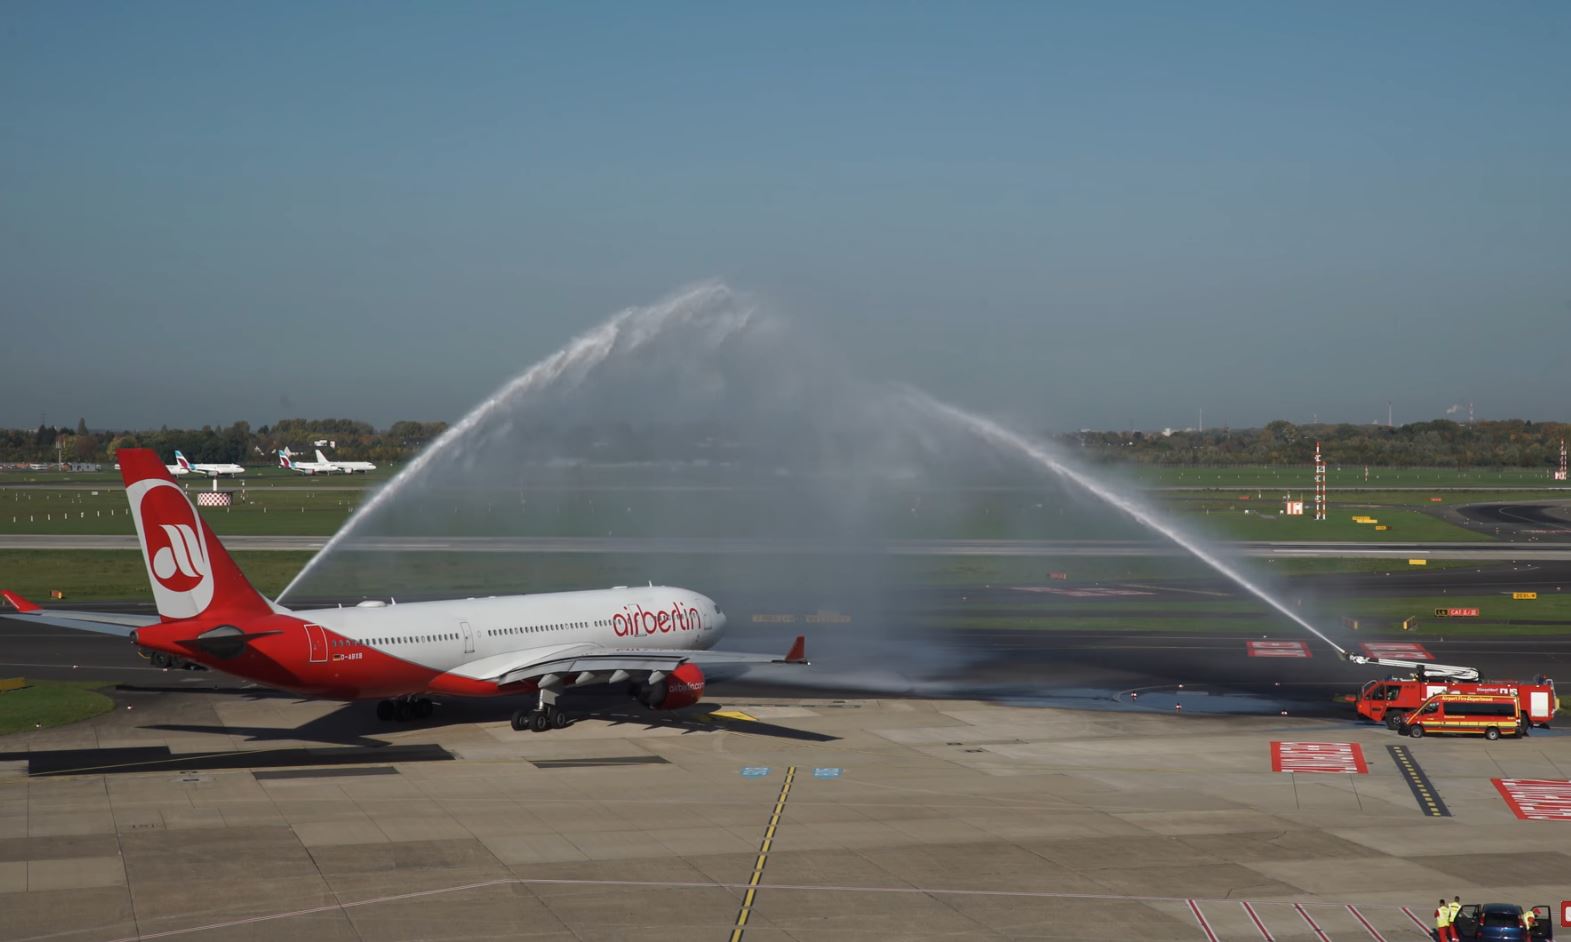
[683,687]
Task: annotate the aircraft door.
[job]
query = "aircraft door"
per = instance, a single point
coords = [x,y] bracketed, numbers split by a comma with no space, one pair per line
[469,637]
[316,643]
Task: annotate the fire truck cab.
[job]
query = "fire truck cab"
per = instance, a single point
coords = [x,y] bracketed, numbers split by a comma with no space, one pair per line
[1387,701]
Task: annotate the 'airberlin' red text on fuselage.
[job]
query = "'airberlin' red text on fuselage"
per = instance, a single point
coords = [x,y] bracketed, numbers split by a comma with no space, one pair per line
[635,621]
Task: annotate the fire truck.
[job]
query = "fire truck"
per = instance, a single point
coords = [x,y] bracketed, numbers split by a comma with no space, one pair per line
[1387,701]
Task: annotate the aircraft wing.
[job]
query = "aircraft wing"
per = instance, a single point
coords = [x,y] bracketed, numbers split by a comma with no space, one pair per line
[519,666]
[105,623]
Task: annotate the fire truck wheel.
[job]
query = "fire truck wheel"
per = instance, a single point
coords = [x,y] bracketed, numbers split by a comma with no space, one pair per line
[1417,732]
[1492,733]
[1393,721]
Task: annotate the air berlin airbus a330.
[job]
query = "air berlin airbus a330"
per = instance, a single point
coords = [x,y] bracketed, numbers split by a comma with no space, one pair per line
[653,640]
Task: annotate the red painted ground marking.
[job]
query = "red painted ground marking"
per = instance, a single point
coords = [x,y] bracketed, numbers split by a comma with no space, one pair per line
[1277,648]
[1330,757]
[1536,799]
[1201,918]
[1402,650]
[1254,917]
[1312,925]
[1365,923]
[1418,922]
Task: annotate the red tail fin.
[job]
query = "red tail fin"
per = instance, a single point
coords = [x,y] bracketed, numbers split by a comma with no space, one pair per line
[188,568]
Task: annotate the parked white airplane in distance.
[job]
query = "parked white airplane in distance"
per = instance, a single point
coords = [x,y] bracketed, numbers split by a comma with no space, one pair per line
[286,460]
[348,467]
[651,641]
[211,470]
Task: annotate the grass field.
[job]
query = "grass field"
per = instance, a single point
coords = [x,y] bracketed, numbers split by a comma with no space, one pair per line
[1405,526]
[119,574]
[1300,477]
[87,575]
[48,703]
[309,511]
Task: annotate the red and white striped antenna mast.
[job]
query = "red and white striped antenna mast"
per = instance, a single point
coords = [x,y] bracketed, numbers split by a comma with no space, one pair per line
[1320,484]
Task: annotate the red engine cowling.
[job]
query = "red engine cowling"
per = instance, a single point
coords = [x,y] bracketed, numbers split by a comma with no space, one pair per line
[683,687]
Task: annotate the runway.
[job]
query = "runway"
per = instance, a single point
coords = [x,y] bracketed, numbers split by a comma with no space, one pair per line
[885,650]
[728,546]
[1539,520]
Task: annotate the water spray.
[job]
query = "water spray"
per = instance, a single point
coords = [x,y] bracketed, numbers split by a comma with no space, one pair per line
[624,332]
[999,436]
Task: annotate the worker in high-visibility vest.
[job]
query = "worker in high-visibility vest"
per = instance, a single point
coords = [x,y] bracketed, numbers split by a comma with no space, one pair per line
[1529,919]
[1444,931]
[1456,907]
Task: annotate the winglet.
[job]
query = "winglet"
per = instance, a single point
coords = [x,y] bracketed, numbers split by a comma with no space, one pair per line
[798,652]
[17,602]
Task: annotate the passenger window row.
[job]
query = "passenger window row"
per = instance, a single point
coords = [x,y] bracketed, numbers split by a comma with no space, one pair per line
[534,629]
[411,639]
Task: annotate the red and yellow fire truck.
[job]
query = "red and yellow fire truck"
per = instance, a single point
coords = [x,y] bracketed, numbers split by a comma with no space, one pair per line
[1386,701]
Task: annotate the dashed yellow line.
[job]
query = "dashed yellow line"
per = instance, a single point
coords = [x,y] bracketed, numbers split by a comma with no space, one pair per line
[1429,801]
[763,857]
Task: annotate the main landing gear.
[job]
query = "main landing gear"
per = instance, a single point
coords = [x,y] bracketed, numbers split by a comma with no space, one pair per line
[404,709]
[543,717]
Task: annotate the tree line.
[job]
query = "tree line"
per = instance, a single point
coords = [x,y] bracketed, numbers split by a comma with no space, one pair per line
[1441,443]
[239,443]
[1513,443]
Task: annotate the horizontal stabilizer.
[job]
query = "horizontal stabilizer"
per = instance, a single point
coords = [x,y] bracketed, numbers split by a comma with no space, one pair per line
[106,623]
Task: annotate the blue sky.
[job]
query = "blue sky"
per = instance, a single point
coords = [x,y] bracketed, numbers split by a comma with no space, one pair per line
[1070,214]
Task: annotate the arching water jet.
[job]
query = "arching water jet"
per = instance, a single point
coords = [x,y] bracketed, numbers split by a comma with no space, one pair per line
[1001,437]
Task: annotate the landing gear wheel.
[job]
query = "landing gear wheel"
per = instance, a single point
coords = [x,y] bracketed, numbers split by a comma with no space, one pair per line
[423,708]
[160,659]
[560,720]
[1492,733]
[521,720]
[402,711]
[385,711]
[539,722]
[1417,732]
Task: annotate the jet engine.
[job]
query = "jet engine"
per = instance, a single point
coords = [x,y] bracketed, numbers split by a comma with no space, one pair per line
[684,686]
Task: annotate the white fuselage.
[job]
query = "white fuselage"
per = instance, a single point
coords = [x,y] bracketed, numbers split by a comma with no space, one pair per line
[463,634]
[343,467]
[311,467]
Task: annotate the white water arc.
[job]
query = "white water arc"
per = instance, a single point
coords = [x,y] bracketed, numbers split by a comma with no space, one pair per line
[625,332]
[998,436]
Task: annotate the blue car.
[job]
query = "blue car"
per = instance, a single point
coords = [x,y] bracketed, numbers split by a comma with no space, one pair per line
[1502,922]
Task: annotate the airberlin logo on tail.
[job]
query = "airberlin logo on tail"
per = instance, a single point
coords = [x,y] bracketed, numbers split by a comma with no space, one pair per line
[175,548]
[637,620]
[179,564]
